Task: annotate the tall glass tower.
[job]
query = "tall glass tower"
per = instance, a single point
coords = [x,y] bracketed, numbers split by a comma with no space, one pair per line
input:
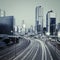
[51,22]
[39,19]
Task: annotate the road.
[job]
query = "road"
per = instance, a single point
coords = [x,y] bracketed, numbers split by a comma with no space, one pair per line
[14,50]
[31,49]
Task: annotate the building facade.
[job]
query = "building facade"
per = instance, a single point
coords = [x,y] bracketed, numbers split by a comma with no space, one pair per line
[7,25]
[39,19]
[51,22]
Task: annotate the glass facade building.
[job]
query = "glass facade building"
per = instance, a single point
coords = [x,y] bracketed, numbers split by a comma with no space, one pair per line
[39,19]
[7,25]
[51,23]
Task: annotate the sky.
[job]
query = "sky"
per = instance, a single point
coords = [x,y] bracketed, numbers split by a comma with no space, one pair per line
[25,10]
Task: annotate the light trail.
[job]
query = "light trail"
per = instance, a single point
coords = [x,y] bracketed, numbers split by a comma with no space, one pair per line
[44,46]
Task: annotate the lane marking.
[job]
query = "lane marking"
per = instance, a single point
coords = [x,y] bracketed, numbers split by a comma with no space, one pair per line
[10,51]
[49,52]
[24,51]
[35,53]
[31,50]
[44,50]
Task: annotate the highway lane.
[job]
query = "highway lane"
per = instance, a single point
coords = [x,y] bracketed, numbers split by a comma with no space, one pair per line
[37,50]
[31,49]
[30,52]
[54,51]
[46,55]
[14,50]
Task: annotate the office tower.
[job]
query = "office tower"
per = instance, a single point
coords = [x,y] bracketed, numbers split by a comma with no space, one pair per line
[7,25]
[23,27]
[39,19]
[51,22]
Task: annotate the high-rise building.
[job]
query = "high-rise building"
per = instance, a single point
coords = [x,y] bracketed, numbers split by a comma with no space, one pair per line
[7,25]
[39,19]
[23,27]
[51,22]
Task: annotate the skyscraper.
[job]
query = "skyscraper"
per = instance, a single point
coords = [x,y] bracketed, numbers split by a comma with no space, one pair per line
[51,22]
[23,27]
[39,19]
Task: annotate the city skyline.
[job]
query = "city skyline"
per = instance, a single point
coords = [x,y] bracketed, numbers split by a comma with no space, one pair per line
[25,9]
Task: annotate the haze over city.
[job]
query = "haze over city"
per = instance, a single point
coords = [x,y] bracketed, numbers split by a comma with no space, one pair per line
[25,9]
[29,30]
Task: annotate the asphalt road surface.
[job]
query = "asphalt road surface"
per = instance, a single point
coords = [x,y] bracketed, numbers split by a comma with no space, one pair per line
[31,49]
[14,50]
